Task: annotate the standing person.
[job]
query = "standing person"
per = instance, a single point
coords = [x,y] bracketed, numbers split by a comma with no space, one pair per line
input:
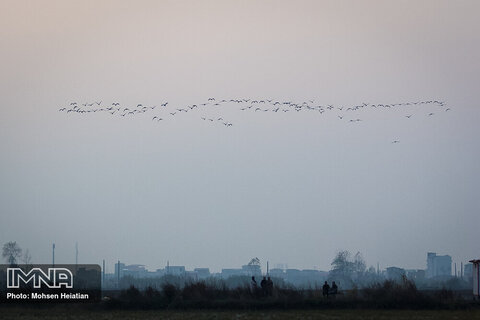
[269,286]
[263,285]
[334,288]
[325,288]
[254,284]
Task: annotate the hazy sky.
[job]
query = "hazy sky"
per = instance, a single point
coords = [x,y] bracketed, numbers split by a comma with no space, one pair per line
[288,188]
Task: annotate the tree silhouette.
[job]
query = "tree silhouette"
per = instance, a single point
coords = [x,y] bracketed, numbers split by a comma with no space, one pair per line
[11,251]
[346,269]
[27,257]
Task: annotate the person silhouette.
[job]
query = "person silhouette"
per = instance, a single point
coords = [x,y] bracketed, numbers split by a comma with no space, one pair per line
[254,283]
[269,286]
[334,288]
[325,289]
[263,285]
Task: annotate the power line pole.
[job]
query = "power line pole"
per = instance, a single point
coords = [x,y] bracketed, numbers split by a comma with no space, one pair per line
[103,274]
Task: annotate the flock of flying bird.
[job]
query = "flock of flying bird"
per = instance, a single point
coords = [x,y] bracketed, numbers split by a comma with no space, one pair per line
[245,105]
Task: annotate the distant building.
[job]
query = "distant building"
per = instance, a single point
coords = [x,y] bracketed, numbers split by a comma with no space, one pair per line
[202,273]
[227,273]
[395,273]
[277,273]
[438,265]
[292,273]
[191,275]
[119,267]
[252,270]
[305,278]
[175,270]
[132,270]
[415,274]
[468,272]
[476,278]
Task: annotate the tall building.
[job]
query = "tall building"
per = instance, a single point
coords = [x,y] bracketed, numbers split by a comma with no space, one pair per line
[438,265]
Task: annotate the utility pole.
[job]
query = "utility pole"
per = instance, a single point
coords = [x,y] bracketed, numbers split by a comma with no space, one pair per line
[53,254]
[103,273]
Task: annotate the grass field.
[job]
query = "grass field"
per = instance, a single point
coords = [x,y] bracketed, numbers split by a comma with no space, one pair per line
[66,313]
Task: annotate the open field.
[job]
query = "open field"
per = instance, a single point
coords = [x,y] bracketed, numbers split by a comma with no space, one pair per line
[65,313]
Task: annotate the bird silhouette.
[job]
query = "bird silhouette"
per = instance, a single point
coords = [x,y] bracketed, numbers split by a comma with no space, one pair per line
[245,105]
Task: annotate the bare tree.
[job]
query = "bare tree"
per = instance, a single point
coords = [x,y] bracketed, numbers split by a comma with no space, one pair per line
[346,270]
[27,257]
[11,251]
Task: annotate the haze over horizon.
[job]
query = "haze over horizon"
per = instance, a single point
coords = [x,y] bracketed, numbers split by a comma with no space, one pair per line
[287,188]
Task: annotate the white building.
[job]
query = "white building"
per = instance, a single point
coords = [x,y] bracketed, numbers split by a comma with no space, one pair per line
[476,278]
